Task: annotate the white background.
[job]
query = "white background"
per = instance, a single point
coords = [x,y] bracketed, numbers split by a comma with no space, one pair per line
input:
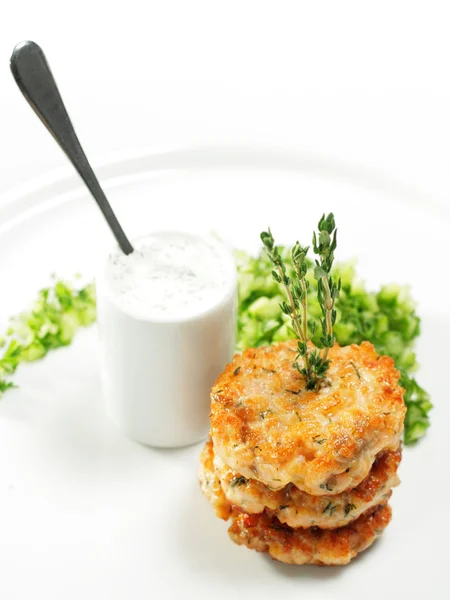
[364,83]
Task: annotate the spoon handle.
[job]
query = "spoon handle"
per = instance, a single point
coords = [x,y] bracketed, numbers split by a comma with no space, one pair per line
[35,80]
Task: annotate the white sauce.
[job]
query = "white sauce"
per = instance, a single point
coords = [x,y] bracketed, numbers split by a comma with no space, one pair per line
[169,275]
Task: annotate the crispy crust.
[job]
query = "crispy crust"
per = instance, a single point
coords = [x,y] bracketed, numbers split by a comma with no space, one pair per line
[265,533]
[299,509]
[266,426]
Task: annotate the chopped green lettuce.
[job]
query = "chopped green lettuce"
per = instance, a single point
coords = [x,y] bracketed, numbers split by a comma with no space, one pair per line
[52,321]
[386,318]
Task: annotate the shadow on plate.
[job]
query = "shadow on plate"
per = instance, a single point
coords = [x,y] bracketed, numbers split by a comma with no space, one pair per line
[204,541]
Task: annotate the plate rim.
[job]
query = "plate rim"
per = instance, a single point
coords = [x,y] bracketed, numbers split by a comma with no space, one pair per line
[64,181]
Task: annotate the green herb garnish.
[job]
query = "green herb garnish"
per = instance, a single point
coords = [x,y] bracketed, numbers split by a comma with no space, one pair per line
[264,413]
[418,406]
[327,290]
[6,385]
[318,440]
[358,374]
[348,508]
[54,318]
[330,508]
[238,481]
[325,486]
[315,361]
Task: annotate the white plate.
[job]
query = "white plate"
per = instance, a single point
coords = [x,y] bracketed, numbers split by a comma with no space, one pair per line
[85,513]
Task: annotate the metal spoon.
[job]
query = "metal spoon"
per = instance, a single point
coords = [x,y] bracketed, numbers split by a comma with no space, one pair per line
[35,80]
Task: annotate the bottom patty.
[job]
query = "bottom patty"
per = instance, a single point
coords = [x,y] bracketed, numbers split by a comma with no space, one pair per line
[265,533]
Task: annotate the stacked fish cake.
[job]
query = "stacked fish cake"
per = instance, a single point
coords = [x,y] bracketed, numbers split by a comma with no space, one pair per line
[304,475]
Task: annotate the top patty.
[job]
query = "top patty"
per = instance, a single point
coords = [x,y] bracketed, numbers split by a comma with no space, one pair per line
[268,427]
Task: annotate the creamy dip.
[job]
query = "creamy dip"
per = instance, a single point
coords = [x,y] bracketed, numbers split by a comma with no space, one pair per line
[167,323]
[169,275]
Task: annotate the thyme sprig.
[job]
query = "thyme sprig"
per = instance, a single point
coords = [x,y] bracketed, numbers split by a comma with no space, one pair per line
[324,245]
[296,293]
[315,362]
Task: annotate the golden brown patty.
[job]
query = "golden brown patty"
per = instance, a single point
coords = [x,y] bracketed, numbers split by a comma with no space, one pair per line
[265,533]
[299,509]
[266,426]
